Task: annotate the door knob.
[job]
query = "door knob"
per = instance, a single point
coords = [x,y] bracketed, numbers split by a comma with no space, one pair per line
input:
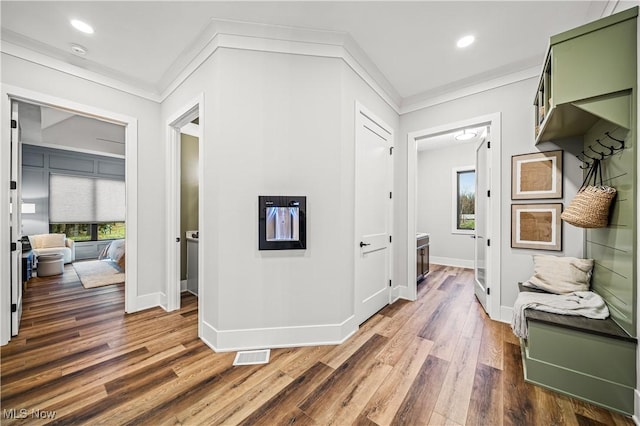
[364,244]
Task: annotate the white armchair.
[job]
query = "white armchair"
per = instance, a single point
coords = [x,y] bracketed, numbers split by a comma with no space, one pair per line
[53,244]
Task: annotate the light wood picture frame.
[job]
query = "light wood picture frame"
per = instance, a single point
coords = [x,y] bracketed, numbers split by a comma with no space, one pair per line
[536,226]
[537,175]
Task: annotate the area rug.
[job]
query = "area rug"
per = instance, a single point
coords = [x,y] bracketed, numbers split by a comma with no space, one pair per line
[96,273]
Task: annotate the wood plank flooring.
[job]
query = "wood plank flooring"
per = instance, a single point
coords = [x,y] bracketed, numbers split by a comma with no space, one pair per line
[440,361]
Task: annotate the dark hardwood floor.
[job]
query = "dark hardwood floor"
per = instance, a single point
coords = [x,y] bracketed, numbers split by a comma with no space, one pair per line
[440,360]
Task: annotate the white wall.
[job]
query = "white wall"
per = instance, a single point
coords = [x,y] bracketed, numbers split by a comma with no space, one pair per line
[280,127]
[434,210]
[276,124]
[514,101]
[151,190]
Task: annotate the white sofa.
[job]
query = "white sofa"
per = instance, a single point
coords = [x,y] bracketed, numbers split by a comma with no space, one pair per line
[53,244]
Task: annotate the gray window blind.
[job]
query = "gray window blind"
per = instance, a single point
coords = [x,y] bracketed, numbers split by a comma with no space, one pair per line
[76,199]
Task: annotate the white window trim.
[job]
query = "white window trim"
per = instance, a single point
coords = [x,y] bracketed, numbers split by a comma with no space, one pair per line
[454,199]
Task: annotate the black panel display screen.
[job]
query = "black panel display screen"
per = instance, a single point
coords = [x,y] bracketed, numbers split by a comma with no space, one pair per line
[282,222]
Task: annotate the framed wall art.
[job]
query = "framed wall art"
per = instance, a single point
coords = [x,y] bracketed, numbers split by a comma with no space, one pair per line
[536,176]
[536,226]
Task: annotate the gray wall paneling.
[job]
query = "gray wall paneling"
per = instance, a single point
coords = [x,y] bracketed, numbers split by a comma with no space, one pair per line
[38,163]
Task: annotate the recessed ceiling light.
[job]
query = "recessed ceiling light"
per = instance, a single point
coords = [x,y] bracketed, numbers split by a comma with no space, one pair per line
[466,41]
[465,136]
[82,26]
[76,49]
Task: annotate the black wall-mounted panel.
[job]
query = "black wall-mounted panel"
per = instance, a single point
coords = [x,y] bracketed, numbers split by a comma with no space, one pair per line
[282,222]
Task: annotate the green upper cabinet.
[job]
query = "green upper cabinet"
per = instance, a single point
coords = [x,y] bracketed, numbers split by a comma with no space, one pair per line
[589,74]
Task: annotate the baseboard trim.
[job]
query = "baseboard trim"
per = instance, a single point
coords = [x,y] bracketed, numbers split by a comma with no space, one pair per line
[402,292]
[450,261]
[152,300]
[506,313]
[277,337]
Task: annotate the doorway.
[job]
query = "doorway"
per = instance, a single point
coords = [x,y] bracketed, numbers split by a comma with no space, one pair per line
[187,120]
[189,201]
[491,256]
[16,95]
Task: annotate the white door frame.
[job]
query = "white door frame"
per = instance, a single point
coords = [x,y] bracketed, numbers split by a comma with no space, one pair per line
[181,117]
[494,224]
[485,138]
[16,221]
[360,111]
[131,184]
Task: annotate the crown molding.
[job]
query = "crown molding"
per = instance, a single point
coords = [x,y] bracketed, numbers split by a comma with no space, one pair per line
[286,40]
[420,103]
[276,39]
[232,35]
[29,55]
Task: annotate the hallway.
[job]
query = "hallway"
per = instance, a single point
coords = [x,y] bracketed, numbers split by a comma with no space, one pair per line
[437,361]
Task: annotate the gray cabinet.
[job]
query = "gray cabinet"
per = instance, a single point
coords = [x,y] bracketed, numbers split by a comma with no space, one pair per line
[192,266]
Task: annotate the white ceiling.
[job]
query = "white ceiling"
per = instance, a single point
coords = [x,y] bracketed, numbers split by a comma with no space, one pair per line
[411,43]
[59,129]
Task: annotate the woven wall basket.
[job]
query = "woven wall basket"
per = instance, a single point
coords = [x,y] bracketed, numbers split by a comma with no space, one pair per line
[590,207]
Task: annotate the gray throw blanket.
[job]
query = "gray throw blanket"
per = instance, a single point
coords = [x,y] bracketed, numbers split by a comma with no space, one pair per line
[584,303]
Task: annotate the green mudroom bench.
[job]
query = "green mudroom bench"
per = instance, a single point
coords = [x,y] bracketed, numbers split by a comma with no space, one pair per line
[589,359]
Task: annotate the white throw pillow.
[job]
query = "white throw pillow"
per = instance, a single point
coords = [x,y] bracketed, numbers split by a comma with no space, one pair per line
[560,275]
[47,240]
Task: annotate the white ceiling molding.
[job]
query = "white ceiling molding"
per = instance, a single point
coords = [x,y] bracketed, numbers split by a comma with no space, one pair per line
[71,59]
[287,40]
[425,100]
[234,35]
[58,65]
[270,38]
[532,72]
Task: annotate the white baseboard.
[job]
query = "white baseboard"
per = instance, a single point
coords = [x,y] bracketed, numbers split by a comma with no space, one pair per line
[277,337]
[450,261]
[402,292]
[152,300]
[506,313]
[397,292]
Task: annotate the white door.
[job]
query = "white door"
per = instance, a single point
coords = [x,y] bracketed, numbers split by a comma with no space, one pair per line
[374,183]
[481,216]
[15,227]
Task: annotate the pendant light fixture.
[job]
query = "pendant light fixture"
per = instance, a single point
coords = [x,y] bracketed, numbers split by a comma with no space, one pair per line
[465,136]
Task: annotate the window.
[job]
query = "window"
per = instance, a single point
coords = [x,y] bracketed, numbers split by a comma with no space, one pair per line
[464,198]
[90,231]
[87,208]
[111,231]
[73,231]
[77,199]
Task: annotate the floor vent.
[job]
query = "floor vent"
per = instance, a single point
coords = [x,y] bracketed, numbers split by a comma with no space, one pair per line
[252,357]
